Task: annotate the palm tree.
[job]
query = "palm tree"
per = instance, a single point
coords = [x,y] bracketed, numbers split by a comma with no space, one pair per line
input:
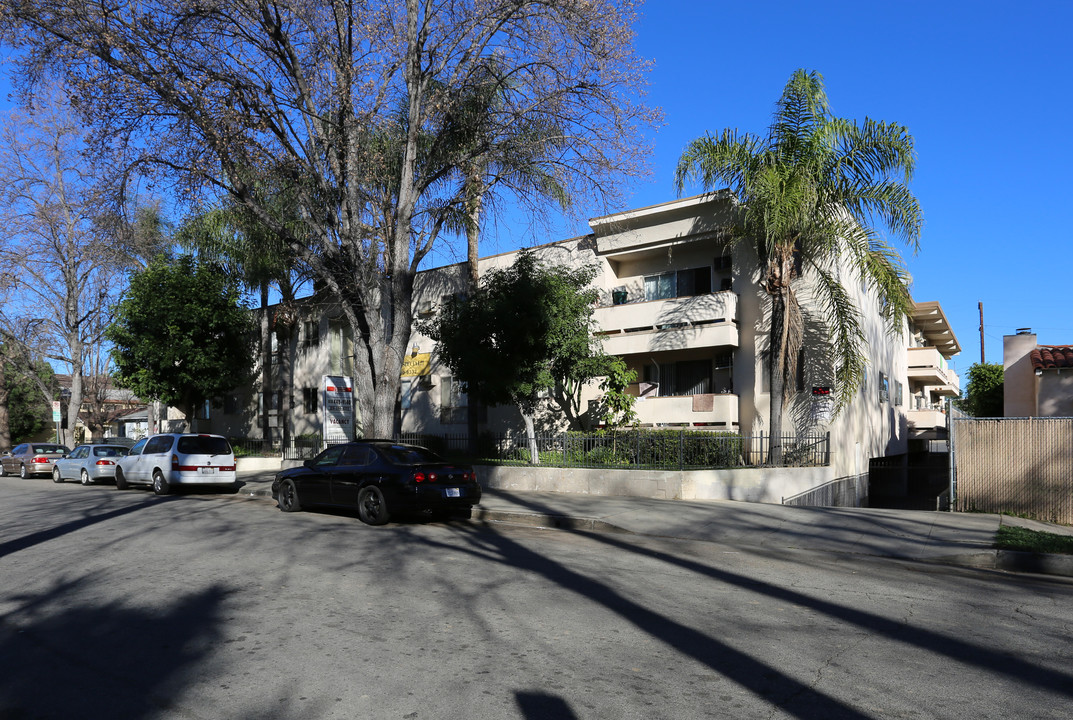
[261,258]
[811,191]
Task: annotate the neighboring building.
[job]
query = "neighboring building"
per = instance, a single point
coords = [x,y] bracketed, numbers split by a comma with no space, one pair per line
[685,311]
[1037,379]
[103,404]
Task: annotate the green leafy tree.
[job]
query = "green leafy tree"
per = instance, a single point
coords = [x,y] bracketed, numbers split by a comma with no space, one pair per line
[526,331]
[811,191]
[182,335]
[984,393]
[24,413]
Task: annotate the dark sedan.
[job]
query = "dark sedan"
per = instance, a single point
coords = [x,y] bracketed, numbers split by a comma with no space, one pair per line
[379,478]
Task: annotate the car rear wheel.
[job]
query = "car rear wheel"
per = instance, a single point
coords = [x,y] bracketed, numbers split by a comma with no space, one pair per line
[22,472]
[56,477]
[120,481]
[160,485]
[372,508]
[85,477]
[287,497]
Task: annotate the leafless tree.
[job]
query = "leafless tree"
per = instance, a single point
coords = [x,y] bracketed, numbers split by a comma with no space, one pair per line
[359,104]
[61,268]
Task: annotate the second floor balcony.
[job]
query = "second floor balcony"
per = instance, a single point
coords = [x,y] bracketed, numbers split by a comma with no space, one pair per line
[927,366]
[708,320]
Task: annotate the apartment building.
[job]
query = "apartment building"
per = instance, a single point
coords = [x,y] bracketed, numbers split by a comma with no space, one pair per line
[684,309]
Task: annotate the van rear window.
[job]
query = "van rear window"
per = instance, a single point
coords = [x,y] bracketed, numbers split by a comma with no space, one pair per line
[204,445]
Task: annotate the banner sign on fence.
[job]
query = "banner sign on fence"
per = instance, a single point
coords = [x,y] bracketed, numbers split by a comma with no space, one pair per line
[338,410]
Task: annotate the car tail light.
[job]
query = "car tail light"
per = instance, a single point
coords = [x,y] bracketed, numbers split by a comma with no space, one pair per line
[175,463]
[422,476]
[105,462]
[40,460]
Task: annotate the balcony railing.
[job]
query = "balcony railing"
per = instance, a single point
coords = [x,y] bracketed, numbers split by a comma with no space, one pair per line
[926,365]
[708,320]
[719,410]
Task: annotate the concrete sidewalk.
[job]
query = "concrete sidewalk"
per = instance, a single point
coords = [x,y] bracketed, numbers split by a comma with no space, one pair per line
[964,539]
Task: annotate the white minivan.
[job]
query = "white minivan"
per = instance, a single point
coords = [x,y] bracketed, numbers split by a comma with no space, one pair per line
[177,459]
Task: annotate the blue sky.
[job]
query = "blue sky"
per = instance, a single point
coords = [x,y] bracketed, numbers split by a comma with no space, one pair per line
[984,88]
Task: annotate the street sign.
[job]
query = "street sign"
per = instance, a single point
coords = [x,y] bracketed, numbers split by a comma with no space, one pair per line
[56,411]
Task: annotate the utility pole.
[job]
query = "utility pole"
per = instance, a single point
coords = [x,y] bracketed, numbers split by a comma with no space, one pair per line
[981,333]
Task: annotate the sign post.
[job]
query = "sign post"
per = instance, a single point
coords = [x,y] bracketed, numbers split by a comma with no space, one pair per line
[56,418]
[338,412]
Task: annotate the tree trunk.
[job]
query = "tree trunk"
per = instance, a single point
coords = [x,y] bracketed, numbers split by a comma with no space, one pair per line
[530,434]
[283,338]
[473,233]
[5,418]
[266,367]
[777,360]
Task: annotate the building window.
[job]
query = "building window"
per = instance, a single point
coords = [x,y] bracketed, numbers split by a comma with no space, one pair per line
[342,353]
[310,334]
[274,401]
[884,389]
[686,377]
[453,402]
[678,283]
[310,398]
[231,405]
[898,392]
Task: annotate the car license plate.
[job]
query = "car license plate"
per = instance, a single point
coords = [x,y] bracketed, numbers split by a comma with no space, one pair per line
[207,470]
[452,492]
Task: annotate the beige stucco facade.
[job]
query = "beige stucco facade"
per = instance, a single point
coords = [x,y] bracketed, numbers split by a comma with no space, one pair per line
[1033,387]
[682,308]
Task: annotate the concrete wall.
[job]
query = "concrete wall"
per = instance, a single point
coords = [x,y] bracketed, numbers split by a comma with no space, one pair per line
[768,485]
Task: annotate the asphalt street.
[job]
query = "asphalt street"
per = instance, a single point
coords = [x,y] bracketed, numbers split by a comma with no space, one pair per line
[126,605]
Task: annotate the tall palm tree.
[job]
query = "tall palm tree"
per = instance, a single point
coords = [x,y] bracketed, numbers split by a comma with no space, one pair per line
[811,191]
[260,258]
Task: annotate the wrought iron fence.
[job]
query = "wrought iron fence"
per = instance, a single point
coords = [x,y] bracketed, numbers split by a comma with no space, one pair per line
[632,449]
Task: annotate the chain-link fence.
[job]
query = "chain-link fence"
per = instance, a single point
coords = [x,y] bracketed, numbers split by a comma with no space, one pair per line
[1022,466]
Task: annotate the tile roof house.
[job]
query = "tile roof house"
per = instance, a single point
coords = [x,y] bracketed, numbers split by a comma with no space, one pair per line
[1037,379]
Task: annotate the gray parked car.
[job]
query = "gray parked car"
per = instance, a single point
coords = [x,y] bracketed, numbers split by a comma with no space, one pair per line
[89,464]
[30,459]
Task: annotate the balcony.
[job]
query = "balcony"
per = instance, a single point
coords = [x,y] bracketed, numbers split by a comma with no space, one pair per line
[926,419]
[719,410]
[676,323]
[926,366]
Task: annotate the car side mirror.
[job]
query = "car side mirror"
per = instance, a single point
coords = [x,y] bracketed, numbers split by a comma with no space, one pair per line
[308,462]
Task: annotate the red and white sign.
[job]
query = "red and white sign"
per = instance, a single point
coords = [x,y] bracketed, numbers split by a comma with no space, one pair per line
[338,409]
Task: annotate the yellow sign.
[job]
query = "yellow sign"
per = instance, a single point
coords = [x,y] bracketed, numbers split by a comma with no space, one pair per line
[419,364]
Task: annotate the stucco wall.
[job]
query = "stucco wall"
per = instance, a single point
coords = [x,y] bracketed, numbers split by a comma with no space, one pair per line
[768,485]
